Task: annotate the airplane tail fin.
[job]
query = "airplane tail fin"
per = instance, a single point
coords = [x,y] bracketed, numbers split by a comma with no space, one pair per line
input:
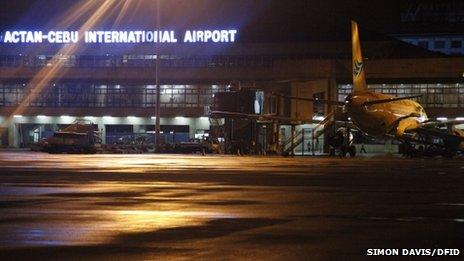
[359,78]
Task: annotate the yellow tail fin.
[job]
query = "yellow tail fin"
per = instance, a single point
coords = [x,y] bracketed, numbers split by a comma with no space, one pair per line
[359,78]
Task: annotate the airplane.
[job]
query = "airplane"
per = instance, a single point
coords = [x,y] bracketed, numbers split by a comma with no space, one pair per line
[384,116]
[378,114]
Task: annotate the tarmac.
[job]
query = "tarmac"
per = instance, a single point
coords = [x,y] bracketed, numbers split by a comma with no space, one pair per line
[148,206]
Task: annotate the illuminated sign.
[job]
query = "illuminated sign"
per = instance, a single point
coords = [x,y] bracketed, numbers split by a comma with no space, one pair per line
[111,37]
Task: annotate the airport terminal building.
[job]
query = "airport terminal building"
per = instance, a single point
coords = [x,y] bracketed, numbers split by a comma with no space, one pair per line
[109,77]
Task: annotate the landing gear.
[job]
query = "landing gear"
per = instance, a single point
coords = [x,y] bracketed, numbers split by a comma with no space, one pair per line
[331,151]
[447,153]
[342,143]
[352,151]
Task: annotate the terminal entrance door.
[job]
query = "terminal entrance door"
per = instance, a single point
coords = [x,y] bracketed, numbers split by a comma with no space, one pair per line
[29,133]
[171,134]
[119,133]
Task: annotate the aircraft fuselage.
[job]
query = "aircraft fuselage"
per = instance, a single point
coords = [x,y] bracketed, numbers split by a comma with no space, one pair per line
[383,119]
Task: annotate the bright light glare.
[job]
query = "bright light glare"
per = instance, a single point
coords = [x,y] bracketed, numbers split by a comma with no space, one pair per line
[18,116]
[422,118]
[41,116]
[442,118]
[318,118]
[54,67]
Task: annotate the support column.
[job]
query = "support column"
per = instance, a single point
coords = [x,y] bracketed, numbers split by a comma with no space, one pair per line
[388,147]
[13,135]
[102,130]
[292,133]
[158,88]
[192,122]
[276,137]
[137,128]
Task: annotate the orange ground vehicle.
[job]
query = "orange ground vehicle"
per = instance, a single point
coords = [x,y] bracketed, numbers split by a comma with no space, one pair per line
[79,137]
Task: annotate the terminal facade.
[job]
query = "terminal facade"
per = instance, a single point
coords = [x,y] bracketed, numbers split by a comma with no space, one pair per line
[113,85]
[117,91]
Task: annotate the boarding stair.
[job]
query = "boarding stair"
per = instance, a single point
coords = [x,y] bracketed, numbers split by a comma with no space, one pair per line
[295,140]
[322,126]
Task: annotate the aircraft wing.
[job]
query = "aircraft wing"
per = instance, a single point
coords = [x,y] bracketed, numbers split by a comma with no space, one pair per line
[439,133]
[430,124]
[390,100]
[311,99]
[246,115]
[435,129]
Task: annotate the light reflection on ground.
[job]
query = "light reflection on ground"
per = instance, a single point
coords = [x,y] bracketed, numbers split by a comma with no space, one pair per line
[95,227]
[74,224]
[137,164]
[224,207]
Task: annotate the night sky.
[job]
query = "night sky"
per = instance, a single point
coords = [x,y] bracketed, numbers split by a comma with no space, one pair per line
[257,20]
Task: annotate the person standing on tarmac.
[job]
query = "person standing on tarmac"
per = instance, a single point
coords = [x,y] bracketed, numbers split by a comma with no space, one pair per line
[362,150]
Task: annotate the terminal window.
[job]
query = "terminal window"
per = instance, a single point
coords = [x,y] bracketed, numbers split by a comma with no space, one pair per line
[424,44]
[434,95]
[97,95]
[318,107]
[456,44]
[439,44]
[139,61]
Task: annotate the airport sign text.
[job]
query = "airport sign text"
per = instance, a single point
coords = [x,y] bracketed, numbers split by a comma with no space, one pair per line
[116,37]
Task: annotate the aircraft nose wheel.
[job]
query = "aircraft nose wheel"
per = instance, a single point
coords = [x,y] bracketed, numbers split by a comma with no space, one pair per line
[352,151]
[344,151]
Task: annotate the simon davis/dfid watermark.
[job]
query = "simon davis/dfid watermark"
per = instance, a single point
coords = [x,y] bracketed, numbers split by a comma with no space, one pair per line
[412,252]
